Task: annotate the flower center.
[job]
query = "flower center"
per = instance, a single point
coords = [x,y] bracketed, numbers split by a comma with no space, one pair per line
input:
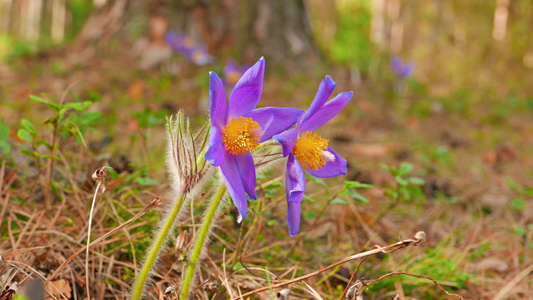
[233,77]
[310,151]
[241,135]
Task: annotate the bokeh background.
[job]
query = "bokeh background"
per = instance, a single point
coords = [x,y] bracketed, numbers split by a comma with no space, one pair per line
[441,125]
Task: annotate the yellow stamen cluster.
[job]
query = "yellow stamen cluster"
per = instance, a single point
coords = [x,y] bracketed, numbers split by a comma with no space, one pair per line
[241,135]
[309,149]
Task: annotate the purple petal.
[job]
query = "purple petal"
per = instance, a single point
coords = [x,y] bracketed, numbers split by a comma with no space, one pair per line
[247,91]
[322,95]
[274,120]
[217,97]
[331,168]
[246,166]
[328,111]
[232,177]
[294,180]
[294,188]
[293,217]
[287,139]
[407,70]
[215,153]
[396,65]
[172,40]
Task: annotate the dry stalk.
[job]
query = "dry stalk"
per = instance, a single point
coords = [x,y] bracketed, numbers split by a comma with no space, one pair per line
[417,239]
[155,202]
[99,175]
[348,286]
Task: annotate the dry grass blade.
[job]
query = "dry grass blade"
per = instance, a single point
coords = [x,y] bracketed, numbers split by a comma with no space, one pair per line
[417,239]
[367,282]
[501,294]
[155,202]
[352,277]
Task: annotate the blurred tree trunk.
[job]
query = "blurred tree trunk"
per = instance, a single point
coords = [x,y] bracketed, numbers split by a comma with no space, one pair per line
[280,30]
[104,22]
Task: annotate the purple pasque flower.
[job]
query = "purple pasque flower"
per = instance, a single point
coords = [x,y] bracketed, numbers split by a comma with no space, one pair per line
[401,69]
[185,45]
[307,150]
[232,72]
[237,128]
[199,55]
[179,42]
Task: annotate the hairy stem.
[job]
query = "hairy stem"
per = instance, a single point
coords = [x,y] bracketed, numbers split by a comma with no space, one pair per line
[156,247]
[199,245]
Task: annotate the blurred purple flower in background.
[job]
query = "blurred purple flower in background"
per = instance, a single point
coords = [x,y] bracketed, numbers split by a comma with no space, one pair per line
[238,128]
[308,151]
[199,56]
[179,42]
[185,45]
[232,72]
[401,69]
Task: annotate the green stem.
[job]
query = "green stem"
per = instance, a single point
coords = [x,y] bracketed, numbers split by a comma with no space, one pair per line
[150,259]
[199,245]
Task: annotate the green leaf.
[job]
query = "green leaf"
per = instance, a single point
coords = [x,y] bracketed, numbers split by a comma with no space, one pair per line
[20,297]
[386,167]
[405,168]
[309,215]
[48,156]
[4,132]
[305,197]
[27,153]
[146,181]
[521,231]
[405,192]
[5,147]
[356,185]
[518,204]
[112,173]
[237,266]
[274,185]
[50,97]
[355,195]
[528,191]
[400,180]
[417,181]
[78,106]
[40,142]
[271,222]
[338,201]
[29,127]
[511,184]
[24,135]
[39,99]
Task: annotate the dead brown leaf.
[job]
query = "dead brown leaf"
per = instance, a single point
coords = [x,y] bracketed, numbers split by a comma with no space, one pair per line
[62,286]
[136,89]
